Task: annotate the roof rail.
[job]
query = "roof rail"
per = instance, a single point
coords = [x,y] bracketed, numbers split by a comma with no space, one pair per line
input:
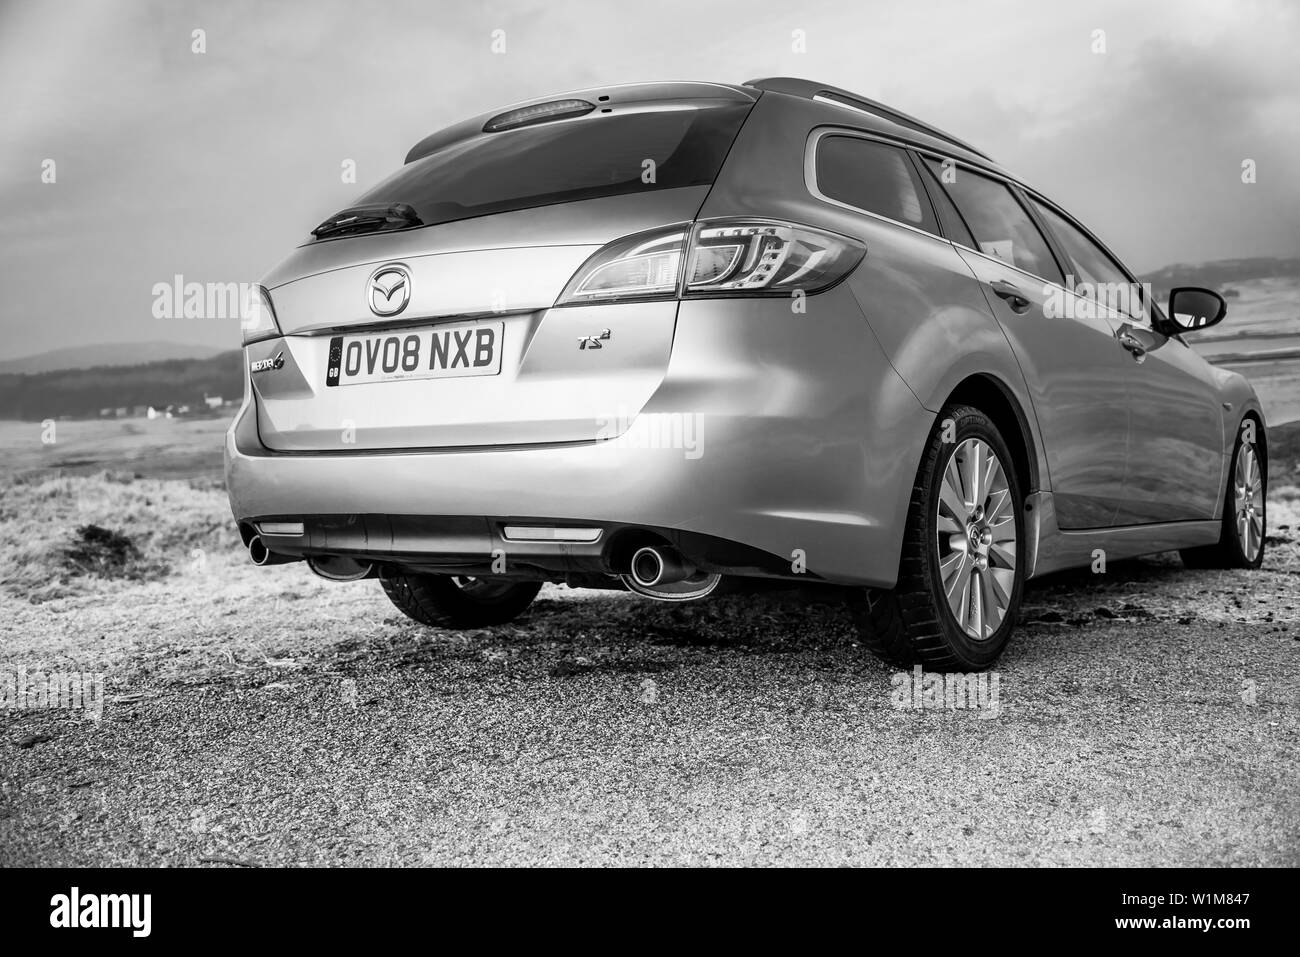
[810,90]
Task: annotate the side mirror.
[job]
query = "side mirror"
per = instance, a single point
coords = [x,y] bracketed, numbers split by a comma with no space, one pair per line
[1191,309]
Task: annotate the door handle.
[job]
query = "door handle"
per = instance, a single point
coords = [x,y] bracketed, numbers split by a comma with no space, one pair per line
[1133,344]
[1011,293]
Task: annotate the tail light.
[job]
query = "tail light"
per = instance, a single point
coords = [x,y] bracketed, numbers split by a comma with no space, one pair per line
[643,266]
[258,316]
[715,258]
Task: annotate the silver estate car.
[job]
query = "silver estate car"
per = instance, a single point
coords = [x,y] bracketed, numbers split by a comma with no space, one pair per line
[672,336]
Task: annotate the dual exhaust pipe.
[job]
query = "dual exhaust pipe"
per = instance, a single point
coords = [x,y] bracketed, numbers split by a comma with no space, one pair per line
[653,568]
[335,568]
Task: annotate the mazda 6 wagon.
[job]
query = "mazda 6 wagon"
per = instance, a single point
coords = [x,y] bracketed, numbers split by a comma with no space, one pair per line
[675,336]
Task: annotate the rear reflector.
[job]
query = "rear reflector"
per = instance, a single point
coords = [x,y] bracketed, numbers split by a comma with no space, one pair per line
[550,533]
[281,528]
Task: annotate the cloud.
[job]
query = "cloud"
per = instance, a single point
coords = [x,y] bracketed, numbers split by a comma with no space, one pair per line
[214,165]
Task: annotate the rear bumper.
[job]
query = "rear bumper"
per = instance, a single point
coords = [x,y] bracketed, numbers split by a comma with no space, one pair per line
[501,545]
[790,455]
[445,510]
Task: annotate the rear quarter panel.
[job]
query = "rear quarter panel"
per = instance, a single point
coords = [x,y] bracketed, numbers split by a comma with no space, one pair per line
[920,300]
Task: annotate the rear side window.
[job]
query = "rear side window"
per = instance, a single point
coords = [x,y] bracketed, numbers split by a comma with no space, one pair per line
[1001,226]
[874,177]
[564,161]
[953,226]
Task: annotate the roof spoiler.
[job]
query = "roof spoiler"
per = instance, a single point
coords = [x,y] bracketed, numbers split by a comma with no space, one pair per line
[604,98]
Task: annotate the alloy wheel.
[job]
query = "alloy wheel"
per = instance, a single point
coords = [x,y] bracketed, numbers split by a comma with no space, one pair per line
[975,539]
[1247,501]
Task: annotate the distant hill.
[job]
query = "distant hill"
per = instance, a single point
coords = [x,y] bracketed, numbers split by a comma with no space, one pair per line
[106,354]
[83,392]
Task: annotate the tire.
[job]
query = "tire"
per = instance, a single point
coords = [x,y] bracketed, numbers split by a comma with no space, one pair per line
[915,623]
[1231,550]
[444,601]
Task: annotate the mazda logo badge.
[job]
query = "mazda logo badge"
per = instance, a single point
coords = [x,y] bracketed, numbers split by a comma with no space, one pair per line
[389,289]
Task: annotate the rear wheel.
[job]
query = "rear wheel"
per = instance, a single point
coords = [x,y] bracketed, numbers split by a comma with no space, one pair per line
[961,572]
[446,601]
[1245,514]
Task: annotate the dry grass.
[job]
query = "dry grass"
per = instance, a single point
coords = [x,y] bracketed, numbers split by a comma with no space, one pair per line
[163,525]
[153,448]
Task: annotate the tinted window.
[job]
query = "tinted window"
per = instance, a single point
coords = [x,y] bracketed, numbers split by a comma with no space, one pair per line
[875,177]
[1092,265]
[954,227]
[559,162]
[1001,225]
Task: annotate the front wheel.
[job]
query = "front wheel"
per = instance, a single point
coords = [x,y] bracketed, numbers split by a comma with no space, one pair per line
[961,572]
[446,601]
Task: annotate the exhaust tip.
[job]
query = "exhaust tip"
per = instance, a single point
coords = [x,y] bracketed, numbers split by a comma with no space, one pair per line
[648,567]
[664,575]
[258,553]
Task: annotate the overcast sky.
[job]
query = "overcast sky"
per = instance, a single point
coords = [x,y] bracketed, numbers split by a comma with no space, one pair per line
[215,165]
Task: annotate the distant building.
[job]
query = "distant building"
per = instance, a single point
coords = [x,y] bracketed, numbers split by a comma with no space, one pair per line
[213,401]
[138,411]
[105,413]
[121,411]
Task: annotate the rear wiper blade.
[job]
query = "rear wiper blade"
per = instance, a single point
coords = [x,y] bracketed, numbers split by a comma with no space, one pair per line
[368,219]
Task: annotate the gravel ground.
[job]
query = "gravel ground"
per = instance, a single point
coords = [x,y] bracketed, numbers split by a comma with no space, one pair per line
[1146,716]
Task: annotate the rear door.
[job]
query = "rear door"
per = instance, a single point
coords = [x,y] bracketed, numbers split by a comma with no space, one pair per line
[440,328]
[1076,379]
[1175,459]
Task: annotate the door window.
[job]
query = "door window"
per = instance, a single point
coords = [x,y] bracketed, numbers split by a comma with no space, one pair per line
[1001,226]
[1097,275]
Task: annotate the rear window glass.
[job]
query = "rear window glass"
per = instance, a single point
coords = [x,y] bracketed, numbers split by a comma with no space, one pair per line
[560,162]
[873,177]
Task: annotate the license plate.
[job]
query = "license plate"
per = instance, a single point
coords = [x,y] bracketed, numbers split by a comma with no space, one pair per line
[435,352]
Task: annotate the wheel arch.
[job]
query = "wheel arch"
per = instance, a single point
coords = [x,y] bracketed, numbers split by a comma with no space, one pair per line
[995,399]
[1261,440]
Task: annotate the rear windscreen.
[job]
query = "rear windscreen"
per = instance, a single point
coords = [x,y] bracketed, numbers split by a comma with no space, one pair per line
[564,161]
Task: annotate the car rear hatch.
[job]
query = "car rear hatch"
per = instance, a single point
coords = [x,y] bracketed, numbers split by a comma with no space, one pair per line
[424,316]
